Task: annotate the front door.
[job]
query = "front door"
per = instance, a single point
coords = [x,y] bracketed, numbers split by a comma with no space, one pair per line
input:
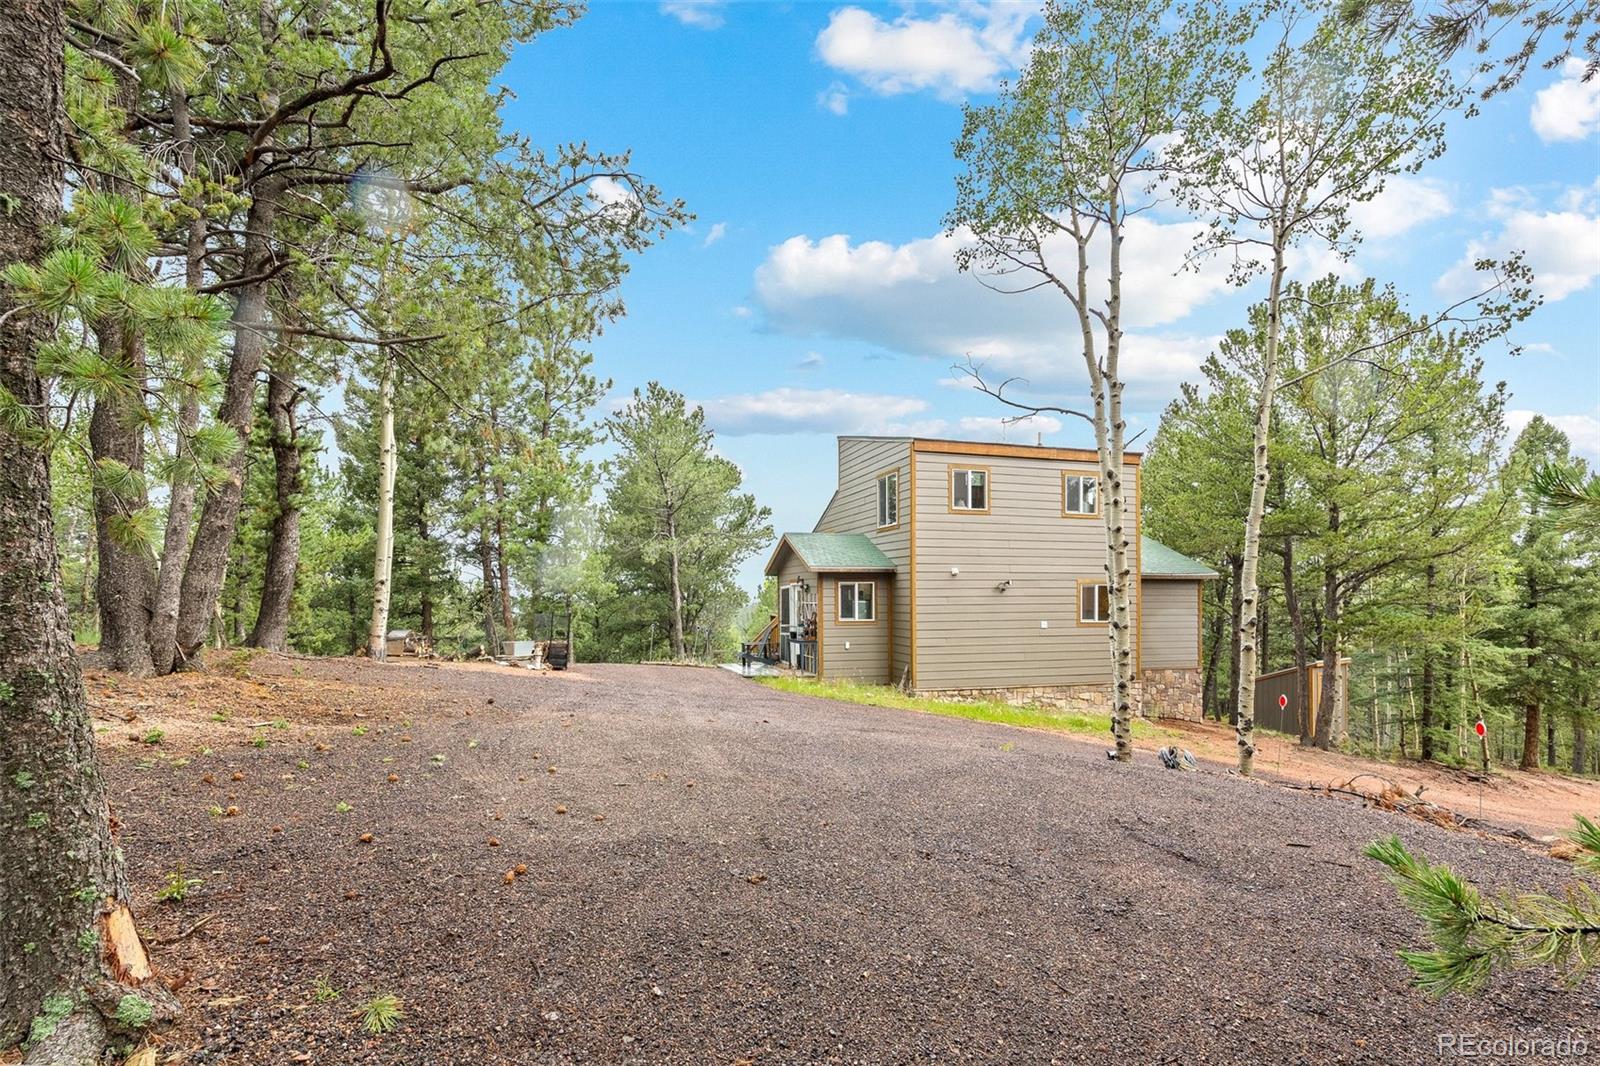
[788,612]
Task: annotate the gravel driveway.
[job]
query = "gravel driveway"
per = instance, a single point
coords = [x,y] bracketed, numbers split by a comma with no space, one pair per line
[744,875]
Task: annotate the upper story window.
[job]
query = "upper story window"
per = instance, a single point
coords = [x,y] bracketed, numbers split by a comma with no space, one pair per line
[889,499]
[857,601]
[1094,603]
[1080,495]
[969,489]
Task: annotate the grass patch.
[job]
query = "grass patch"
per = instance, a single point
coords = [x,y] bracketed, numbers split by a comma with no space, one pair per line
[1094,725]
[381,1013]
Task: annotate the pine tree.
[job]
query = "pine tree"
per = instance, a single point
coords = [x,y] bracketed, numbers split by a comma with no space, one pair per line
[69,951]
[677,525]
[1555,605]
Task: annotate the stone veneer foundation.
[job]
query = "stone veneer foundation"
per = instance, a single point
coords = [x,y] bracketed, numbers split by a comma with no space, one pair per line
[1156,693]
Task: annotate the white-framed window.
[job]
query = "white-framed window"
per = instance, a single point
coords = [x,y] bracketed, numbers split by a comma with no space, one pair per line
[1080,494]
[889,499]
[969,488]
[1094,603]
[858,601]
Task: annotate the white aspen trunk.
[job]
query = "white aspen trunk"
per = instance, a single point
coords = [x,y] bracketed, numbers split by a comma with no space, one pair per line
[1108,438]
[383,561]
[1120,576]
[1250,591]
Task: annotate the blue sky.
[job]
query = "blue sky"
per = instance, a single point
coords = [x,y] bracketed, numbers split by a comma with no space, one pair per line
[815,294]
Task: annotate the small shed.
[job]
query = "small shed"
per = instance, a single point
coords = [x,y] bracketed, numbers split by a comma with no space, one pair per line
[1284,696]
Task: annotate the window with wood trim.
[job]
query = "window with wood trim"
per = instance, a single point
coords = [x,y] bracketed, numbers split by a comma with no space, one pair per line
[889,499]
[858,601]
[1080,495]
[969,488]
[1094,603]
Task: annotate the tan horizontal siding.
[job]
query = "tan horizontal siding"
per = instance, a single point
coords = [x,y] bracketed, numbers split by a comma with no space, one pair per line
[1171,633]
[866,658]
[854,509]
[969,635]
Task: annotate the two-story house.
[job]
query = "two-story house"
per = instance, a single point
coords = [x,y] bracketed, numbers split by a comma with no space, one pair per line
[978,571]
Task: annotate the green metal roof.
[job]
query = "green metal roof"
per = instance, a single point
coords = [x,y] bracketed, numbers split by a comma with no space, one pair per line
[1158,560]
[833,551]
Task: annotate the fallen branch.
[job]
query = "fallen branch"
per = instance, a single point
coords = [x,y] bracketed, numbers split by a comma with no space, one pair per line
[186,934]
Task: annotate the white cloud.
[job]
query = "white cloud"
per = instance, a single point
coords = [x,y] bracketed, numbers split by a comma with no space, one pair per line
[1582,430]
[1404,203]
[1023,430]
[811,361]
[719,230]
[953,53]
[742,311]
[613,197]
[835,98]
[1569,109]
[1562,247]
[911,298]
[701,14]
[789,410]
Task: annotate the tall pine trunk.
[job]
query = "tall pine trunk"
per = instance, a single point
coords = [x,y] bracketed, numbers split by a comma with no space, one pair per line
[1429,680]
[425,557]
[181,488]
[1235,612]
[219,518]
[507,615]
[62,881]
[675,589]
[271,630]
[1218,628]
[1297,629]
[1330,704]
[486,561]
[1530,720]
[125,585]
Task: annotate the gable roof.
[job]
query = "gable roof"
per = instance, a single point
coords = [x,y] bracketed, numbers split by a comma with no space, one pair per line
[1158,560]
[832,551]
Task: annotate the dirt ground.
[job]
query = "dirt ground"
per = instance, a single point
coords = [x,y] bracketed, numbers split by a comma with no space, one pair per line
[669,865]
[1540,803]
